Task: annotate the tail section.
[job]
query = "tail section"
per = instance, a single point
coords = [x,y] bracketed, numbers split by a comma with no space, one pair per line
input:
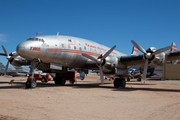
[134,51]
[13,68]
[174,48]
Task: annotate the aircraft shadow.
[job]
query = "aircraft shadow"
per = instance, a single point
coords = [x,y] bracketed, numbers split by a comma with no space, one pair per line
[98,85]
[138,84]
[21,85]
[148,89]
[15,85]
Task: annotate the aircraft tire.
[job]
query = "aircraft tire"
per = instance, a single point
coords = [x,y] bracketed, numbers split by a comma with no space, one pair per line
[139,79]
[128,79]
[31,84]
[122,83]
[60,81]
[63,81]
[117,83]
[28,84]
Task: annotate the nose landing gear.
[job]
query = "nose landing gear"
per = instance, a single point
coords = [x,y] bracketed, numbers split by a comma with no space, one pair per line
[31,83]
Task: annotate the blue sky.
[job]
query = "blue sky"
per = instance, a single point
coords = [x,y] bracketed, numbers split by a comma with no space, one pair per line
[109,22]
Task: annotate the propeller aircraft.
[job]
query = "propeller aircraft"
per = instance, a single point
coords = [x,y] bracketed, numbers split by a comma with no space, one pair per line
[57,53]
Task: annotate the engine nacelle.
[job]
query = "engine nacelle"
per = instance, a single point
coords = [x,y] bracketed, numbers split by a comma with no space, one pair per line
[158,60]
[19,61]
[111,62]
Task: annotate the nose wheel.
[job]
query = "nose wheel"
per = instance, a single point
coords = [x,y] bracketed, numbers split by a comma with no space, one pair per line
[31,84]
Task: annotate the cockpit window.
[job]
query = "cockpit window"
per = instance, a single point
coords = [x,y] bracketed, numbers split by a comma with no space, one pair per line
[41,40]
[30,39]
[35,39]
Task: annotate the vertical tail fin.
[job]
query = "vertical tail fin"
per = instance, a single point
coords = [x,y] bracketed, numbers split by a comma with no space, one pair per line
[174,48]
[134,51]
[13,68]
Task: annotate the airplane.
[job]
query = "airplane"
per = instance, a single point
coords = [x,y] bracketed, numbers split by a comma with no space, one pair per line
[13,71]
[14,59]
[134,73]
[56,53]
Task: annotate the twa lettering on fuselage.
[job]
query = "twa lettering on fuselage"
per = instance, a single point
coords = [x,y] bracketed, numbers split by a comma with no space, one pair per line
[92,46]
[35,48]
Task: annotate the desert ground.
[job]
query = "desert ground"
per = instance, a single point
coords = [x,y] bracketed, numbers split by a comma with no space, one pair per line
[89,100]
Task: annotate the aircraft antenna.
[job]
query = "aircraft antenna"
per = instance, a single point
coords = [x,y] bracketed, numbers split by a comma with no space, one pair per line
[57,33]
[37,33]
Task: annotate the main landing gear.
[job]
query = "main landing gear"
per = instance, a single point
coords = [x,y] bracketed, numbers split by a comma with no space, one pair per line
[59,80]
[119,82]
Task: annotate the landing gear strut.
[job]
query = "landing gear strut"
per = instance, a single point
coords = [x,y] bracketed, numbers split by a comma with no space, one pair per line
[31,83]
[119,82]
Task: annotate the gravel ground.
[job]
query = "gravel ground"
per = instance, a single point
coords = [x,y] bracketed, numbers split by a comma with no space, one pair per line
[90,100]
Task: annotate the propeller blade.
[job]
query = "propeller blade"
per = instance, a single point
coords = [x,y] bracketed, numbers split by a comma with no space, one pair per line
[6,68]
[138,46]
[89,57]
[101,74]
[108,52]
[161,50]
[145,70]
[3,54]
[7,54]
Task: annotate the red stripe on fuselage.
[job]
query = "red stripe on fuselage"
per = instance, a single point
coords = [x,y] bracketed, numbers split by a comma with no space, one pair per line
[72,51]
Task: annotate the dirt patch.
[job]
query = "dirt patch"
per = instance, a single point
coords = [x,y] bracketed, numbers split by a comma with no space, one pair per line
[88,99]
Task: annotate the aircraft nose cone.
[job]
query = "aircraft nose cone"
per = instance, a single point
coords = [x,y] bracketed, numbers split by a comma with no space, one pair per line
[20,49]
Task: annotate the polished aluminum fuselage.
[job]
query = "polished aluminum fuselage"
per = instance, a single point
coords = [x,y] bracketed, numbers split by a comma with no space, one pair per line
[64,50]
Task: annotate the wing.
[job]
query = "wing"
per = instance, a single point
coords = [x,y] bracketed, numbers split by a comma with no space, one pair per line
[131,60]
[174,55]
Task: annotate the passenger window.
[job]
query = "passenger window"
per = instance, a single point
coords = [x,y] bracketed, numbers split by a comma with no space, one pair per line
[80,48]
[62,45]
[95,50]
[69,46]
[75,47]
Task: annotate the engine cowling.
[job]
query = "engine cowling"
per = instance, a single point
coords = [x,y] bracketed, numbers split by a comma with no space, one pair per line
[110,63]
[158,60]
[19,61]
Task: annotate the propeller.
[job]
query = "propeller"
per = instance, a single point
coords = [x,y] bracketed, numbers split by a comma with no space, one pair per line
[8,57]
[148,55]
[100,61]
